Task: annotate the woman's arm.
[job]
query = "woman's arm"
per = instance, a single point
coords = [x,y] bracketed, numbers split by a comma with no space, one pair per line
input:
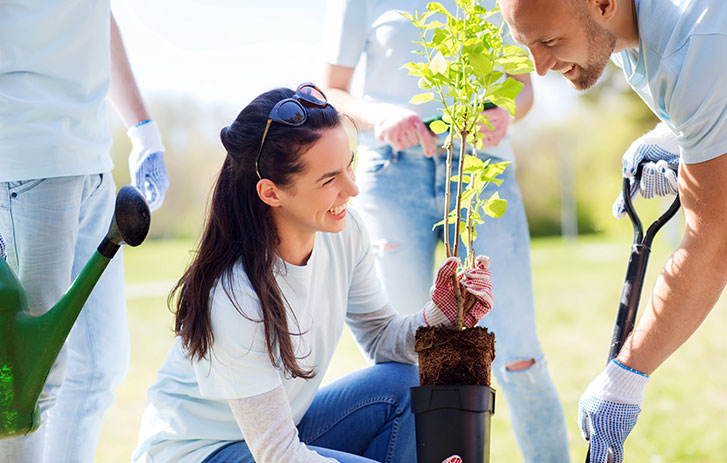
[386,335]
[266,422]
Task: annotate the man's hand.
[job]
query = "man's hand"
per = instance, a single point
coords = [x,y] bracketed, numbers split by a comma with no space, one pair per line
[403,128]
[658,177]
[3,255]
[146,163]
[500,121]
[475,285]
[608,410]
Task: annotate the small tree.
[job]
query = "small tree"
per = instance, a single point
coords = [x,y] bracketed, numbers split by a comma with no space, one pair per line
[464,63]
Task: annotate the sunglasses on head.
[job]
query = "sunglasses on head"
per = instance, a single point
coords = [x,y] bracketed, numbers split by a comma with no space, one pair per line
[291,112]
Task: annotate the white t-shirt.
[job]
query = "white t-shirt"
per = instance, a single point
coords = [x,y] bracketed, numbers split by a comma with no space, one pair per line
[679,71]
[187,415]
[54,78]
[376,30]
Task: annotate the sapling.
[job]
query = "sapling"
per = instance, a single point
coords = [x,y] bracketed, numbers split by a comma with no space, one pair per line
[466,67]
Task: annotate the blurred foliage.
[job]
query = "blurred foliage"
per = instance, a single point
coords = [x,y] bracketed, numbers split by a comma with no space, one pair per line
[592,140]
[588,143]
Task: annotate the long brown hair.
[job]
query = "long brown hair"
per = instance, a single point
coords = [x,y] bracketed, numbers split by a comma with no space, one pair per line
[240,228]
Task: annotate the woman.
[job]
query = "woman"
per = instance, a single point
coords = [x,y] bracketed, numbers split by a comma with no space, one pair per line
[281,265]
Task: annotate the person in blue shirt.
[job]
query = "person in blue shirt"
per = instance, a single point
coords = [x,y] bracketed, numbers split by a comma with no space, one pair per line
[674,55]
[58,62]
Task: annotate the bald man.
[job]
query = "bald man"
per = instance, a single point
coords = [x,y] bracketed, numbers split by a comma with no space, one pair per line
[674,55]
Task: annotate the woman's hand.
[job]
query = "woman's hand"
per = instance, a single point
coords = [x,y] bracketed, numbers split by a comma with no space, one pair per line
[476,286]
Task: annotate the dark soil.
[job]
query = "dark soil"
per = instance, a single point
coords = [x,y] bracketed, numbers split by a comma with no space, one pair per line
[451,357]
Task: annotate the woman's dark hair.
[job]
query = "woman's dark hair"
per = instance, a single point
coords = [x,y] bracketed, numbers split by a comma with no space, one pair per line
[240,228]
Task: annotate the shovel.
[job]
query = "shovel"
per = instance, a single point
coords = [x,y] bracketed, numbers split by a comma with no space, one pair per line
[635,272]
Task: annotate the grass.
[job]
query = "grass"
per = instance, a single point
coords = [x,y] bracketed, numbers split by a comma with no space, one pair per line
[577,289]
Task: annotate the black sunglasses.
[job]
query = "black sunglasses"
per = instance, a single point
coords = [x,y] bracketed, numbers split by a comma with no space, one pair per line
[291,112]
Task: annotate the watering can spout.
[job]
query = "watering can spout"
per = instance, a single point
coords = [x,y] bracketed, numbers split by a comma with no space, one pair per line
[29,345]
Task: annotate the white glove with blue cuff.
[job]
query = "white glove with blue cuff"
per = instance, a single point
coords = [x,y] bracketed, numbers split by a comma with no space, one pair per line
[146,163]
[608,410]
[658,177]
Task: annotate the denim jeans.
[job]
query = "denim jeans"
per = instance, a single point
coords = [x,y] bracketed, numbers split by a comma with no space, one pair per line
[401,197]
[52,227]
[363,417]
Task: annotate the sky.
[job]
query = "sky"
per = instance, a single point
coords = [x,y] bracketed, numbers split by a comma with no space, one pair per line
[229,51]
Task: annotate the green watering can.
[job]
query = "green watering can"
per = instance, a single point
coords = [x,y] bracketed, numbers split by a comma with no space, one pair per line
[29,345]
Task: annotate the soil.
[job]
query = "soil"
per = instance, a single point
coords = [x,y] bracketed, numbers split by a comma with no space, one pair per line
[451,357]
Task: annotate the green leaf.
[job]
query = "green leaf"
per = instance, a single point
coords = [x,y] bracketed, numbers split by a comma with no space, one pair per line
[495,206]
[438,127]
[481,64]
[436,24]
[473,46]
[422,98]
[438,64]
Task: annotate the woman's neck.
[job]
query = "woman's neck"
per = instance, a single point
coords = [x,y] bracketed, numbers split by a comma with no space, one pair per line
[295,248]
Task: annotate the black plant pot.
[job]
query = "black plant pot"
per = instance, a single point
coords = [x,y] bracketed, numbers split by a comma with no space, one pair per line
[453,420]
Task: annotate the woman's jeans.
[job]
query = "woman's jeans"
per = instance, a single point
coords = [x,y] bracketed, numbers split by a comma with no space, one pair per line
[52,227]
[401,197]
[363,417]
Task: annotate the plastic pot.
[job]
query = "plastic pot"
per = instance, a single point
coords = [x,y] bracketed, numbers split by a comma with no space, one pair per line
[453,420]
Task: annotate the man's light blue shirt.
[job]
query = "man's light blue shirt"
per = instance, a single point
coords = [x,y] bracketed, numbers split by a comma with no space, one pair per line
[680,69]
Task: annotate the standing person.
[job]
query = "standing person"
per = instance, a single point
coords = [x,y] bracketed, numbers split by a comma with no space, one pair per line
[58,61]
[402,179]
[281,265]
[673,54]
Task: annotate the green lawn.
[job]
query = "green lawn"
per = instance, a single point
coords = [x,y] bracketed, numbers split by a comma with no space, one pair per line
[577,289]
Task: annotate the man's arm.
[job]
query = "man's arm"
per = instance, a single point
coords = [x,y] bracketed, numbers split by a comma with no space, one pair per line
[694,276]
[123,92]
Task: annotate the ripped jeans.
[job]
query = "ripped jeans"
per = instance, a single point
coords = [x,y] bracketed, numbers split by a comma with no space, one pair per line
[401,197]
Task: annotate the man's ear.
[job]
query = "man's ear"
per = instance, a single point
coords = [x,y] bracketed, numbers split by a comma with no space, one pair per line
[605,9]
[268,192]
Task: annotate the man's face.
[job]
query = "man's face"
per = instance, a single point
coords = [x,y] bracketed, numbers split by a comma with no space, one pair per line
[561,37]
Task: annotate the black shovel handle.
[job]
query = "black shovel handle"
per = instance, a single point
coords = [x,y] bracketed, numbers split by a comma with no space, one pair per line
[636,270]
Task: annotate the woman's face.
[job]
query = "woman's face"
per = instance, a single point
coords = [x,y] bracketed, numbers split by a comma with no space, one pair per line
[318,198]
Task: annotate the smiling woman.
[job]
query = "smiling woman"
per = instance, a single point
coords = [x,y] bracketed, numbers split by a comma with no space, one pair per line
[281,265]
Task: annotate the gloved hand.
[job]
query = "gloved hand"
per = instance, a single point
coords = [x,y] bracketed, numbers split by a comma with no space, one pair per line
[657,177]
[500,120]
[608,410]
[146,163]
[453,459]
[403,128]
[474,283]
[3,255]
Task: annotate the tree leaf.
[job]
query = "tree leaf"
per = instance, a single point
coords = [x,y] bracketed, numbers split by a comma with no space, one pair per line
[438,127]
[438,64]
[422,98]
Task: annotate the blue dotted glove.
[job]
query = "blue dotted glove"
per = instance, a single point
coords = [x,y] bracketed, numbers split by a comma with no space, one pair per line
[608,410]
[658,177]
[146,163]
[3,255]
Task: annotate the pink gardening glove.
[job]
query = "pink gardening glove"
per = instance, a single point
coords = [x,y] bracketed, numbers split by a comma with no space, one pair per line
[500,120]
[453,459]
[403,128]
[474,283]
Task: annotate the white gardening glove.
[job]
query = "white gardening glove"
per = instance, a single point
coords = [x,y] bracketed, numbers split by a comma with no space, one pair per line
[3,255]
[658,177]
[608,410]
[476,282]
[146,163]
[402,128]
[453,459]
[499,119]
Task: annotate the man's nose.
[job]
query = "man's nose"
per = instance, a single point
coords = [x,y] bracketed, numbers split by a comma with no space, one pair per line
[542,59]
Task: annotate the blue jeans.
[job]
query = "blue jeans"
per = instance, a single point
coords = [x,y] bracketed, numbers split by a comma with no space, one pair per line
[363,417]
[52,227]
[401,197]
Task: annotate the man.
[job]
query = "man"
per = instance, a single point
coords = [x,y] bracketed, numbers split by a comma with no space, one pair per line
[58,61]
[674,55]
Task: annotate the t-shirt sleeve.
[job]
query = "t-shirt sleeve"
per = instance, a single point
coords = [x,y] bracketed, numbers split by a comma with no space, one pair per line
[365,293]
[697,104]
[238,365]
[344,36]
